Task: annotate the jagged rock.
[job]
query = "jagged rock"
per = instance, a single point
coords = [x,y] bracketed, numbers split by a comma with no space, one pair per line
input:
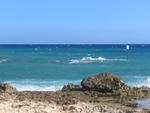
[67,99]
[132,104]
[6,88]
[105,82]
[72,87]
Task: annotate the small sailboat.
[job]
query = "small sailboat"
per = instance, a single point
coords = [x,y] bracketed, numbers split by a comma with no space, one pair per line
[127,47]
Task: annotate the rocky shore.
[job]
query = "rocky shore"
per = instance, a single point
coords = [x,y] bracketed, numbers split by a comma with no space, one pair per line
[102,93]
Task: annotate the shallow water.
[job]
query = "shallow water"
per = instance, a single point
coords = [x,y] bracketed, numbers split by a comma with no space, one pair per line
[143,103]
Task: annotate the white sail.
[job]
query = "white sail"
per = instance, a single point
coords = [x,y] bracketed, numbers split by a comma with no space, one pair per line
[127,47]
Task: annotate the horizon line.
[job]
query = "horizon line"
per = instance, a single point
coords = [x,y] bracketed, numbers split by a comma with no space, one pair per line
[81,44]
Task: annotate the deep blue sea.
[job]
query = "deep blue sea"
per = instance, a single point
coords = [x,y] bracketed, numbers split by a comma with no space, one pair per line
[49,67]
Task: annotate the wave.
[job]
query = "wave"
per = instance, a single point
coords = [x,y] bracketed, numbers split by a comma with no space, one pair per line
[55,85]
[37,88]
[142,82]
[39,85]
[91,59]
[3,60]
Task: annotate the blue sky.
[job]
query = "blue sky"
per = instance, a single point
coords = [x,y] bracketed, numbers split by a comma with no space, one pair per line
[74,21]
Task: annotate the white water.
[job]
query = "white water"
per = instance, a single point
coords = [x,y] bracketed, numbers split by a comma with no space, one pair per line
[39,85]
[91,59]
[141,82]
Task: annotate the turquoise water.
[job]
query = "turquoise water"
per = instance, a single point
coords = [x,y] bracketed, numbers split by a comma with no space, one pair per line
[49,67]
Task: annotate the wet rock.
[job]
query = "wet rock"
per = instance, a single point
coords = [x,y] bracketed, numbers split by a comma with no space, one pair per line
[6,88]
[72,87]
[132,104]
[105,82]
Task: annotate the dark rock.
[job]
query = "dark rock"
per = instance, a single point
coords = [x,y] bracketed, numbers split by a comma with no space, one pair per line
[132,104]
[68,108]
[6,88]
[130,111]
[66,99]
[105,82]
[72,87]
[60,98]
[64,108]
[72,108]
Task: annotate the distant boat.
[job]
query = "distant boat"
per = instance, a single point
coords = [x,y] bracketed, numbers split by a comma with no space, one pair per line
[127,47]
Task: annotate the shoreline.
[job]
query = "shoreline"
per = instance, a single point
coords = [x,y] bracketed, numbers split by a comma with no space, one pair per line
[23,103]
[96,94]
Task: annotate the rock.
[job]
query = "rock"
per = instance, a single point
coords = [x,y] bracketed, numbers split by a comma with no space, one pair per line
[68,108]
[6,88]
[72,87]
[132,104]
[105,82]
[72,108]
[66,99]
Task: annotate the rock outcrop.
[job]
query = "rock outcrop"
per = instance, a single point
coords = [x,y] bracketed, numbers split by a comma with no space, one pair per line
[6,88]
[105,82]
[104,88]
[72,87]
[106,85]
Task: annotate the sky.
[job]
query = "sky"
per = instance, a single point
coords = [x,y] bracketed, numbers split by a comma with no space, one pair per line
[74,21]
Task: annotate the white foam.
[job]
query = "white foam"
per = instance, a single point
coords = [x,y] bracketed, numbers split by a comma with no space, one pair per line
[141,82]
[3,60]
[86,60]
[39,85]
[37,88]
[91,59]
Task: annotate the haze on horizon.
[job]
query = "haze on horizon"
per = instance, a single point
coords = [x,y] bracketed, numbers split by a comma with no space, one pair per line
[74,21]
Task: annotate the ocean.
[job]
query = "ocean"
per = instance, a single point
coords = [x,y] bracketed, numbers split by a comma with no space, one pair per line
[49,67]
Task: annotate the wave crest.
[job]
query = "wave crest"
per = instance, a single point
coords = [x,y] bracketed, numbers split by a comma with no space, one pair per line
[86,60]
[91,59]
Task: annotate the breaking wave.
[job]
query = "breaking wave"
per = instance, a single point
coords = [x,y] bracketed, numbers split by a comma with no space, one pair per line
[40,85]
[37,88]
[142,82]
[91,59]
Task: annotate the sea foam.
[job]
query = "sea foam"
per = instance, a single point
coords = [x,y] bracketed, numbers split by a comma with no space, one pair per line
[3,60]
[141,82]
[40,85]
[55,85]
[37,88]
[91,59]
